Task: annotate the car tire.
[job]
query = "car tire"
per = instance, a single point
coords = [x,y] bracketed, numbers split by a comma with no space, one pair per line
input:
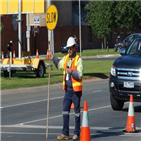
[41,70]
[116,104]
[119,48]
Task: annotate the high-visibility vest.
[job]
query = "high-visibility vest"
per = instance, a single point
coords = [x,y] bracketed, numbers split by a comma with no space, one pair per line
[76,84]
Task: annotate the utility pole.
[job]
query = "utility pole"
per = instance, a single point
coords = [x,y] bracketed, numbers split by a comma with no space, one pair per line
[80,26]
[28,32]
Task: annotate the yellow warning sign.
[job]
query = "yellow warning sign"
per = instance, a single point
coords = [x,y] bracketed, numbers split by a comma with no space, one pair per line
[51,17]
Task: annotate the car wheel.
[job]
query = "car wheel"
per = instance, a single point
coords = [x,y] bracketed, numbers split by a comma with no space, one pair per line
[115,103]
[41,70]
[118,48]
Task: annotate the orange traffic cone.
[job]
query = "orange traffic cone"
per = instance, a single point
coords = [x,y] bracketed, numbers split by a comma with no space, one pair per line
[85,130]
[14,55]
[2,58]
[47,57]
[72,106]
[131,127]
[37,56]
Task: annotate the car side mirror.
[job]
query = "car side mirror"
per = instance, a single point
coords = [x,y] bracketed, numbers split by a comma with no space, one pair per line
[122,51]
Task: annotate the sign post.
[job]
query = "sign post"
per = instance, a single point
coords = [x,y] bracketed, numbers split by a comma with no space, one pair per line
[51,22]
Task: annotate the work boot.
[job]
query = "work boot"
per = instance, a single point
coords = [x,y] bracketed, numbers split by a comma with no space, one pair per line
[75,138]
[63,137]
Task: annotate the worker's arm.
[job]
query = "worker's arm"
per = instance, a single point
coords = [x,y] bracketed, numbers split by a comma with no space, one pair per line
[58,63]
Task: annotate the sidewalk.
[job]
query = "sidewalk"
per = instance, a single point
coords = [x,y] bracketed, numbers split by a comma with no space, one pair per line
[83,57]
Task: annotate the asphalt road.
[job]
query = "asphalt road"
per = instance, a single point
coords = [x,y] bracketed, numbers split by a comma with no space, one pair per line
[24,112]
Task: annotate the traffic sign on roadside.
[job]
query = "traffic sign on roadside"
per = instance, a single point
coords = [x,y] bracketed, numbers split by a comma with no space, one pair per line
[51,17]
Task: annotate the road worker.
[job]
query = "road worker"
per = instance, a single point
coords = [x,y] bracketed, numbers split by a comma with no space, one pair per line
[72,67]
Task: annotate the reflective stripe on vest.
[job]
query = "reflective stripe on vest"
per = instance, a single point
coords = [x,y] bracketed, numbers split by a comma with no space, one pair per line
[76,84]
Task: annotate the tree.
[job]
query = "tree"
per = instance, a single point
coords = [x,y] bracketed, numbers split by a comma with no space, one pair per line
[128,15]
[104,16]
[1,27]
[100,15]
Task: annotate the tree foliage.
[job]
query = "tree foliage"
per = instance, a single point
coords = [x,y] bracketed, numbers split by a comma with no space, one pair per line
[1,27]
[128,15]
[104,16]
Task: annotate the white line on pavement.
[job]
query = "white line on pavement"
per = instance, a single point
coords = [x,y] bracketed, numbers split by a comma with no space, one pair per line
[99,108]
[97,91]
[60,127]
[119,133]
[8,106]
[20,104]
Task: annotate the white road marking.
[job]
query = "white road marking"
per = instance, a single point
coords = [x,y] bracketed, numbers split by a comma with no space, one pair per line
[119,131]
[32,102]
[8,106]
[61,115]
[97,91]
[60,127]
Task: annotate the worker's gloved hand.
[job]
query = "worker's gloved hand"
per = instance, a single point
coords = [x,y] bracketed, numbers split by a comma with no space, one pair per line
[69,70]
[51,54]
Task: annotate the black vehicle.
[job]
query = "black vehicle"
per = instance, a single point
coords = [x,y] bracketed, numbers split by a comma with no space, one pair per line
[125,76]
[126,42]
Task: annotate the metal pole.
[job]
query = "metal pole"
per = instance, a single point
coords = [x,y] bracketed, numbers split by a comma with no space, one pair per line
[49,47]
[48,3]
[19,28]
[10,65]
[80,26]
[28,32]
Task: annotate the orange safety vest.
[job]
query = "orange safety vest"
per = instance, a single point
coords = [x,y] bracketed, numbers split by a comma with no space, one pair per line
[76,84]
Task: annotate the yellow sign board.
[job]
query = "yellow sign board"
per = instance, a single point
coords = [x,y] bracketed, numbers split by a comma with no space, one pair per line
[51,17]
[3,6]
[39,6]
[13,6]
[27,6]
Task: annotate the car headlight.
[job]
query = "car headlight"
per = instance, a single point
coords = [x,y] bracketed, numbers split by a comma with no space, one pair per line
[113,71]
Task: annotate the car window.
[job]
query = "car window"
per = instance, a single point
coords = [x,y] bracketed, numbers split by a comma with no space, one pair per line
[129,38]
[135,47]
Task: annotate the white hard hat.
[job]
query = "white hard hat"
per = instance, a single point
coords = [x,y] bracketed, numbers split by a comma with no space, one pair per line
[70,42]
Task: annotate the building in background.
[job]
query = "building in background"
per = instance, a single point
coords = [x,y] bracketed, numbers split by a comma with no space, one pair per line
[68,25]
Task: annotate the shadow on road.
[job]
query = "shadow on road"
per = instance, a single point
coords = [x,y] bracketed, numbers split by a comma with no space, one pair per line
[99,75]
[106,134]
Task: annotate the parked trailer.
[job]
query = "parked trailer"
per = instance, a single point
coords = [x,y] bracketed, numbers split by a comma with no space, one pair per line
[24,64]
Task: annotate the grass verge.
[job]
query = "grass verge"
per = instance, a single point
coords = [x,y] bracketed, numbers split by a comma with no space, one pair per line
[92,69]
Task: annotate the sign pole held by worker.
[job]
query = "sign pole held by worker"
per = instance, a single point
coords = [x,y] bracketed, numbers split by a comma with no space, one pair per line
[51,22]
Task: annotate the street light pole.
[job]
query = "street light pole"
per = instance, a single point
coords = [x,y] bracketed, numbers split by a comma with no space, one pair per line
[80,26]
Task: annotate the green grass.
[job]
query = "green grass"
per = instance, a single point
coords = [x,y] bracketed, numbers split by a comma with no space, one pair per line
[92,68]
[91,52]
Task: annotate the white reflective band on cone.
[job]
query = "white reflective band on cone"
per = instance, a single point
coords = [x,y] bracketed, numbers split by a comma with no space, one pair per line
[131,109]
[85,119]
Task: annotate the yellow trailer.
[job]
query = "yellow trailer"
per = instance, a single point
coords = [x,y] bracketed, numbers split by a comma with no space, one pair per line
[24,64]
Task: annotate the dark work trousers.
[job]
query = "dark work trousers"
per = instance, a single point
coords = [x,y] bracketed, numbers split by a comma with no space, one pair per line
[71,96]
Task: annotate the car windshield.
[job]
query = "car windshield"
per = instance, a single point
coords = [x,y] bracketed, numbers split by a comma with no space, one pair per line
[135,47]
